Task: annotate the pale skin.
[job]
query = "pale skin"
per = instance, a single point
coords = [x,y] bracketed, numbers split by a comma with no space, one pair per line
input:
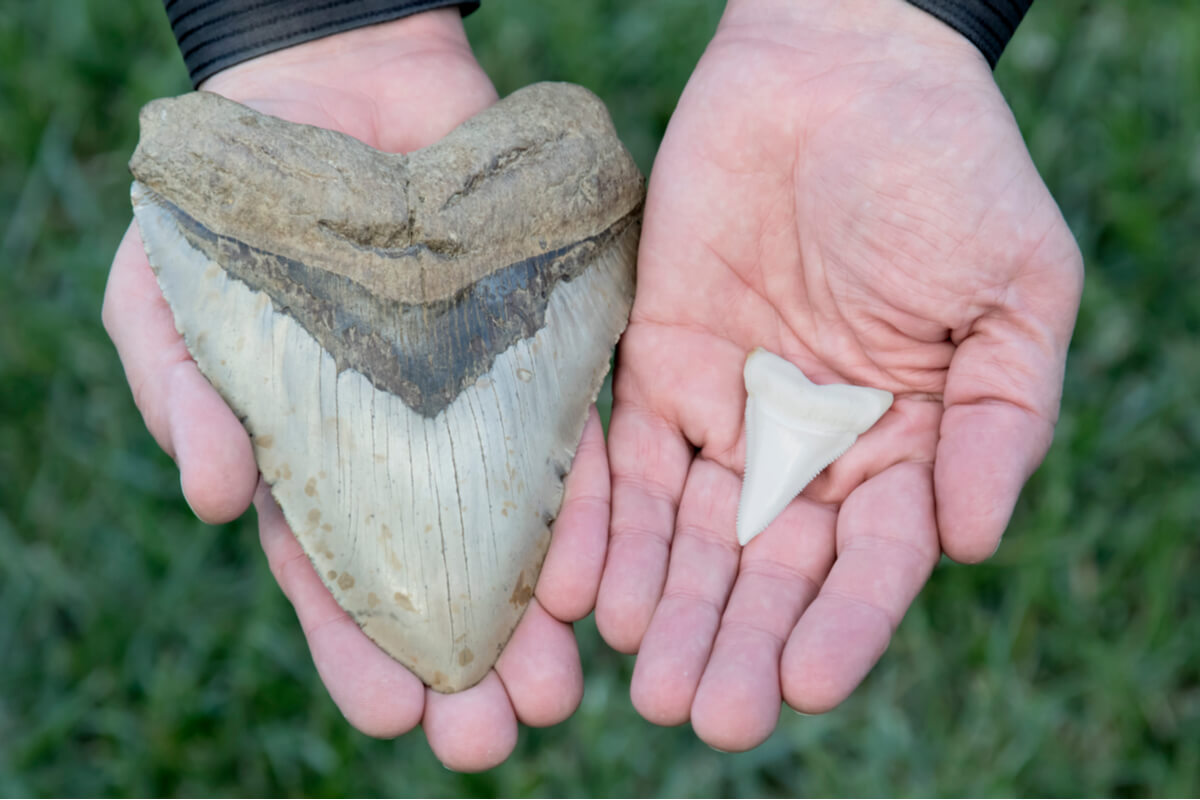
[397,86]
[841,183]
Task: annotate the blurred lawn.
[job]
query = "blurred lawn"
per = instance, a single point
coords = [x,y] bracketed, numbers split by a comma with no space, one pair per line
[142,652]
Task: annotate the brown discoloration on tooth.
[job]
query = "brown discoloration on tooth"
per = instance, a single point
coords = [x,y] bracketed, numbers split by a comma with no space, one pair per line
[522,592]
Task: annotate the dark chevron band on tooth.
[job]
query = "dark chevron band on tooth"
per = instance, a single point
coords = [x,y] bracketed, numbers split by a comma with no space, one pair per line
[426,353]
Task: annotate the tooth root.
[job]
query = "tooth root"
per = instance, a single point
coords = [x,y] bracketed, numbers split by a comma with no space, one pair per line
[794,429]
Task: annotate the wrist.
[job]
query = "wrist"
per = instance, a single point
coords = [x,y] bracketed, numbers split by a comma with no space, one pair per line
[353,58]
[214,35]
[987,24]
[879,29]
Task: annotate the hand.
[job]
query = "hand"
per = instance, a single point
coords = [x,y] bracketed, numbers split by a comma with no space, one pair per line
[843,184]
[397,86]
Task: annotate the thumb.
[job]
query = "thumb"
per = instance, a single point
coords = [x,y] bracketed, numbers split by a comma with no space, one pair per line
[1002,400]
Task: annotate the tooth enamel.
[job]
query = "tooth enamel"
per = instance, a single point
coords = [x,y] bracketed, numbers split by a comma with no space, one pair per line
[794,429]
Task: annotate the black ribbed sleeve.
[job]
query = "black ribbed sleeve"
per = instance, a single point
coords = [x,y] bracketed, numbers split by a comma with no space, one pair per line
[215,34]
[988,24]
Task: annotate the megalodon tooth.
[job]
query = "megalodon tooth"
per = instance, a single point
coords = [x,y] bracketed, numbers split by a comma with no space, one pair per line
[794,429]
[412,341]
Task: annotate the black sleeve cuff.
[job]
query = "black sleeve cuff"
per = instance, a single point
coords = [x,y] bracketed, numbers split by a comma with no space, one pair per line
[215,34]
[987,24]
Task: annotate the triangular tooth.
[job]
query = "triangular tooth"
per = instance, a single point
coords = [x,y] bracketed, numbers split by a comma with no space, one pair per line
[794,429]
[413,341]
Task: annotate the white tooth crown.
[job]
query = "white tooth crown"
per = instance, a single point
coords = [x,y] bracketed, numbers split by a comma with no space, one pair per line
[794,429]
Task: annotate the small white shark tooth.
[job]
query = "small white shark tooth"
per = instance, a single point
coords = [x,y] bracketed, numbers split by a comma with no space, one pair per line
[794,429]
[412,341]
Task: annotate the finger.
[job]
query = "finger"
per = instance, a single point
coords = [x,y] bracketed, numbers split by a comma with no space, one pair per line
[472,730]
[1002,399]
[986,454]
[571,573]
[907,432]
[704,561]
[186,416]
[887,546]
[540,669]
[649,460]
[737,703]
[375,693]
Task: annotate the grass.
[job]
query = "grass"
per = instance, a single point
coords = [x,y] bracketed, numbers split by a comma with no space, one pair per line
[142,652]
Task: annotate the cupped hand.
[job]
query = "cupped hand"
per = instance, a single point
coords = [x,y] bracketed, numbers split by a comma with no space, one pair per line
[397,86]
[843,184]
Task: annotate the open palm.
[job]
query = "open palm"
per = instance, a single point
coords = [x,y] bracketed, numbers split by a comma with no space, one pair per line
[397,86]
[869,212]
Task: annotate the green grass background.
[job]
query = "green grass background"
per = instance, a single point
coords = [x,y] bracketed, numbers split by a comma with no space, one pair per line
[142,652]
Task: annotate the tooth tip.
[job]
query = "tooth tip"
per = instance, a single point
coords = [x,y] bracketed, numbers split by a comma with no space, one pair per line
[745,530]
[745,537]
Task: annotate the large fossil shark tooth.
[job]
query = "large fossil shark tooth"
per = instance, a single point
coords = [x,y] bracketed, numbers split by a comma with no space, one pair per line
[412,341]
[794,429]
